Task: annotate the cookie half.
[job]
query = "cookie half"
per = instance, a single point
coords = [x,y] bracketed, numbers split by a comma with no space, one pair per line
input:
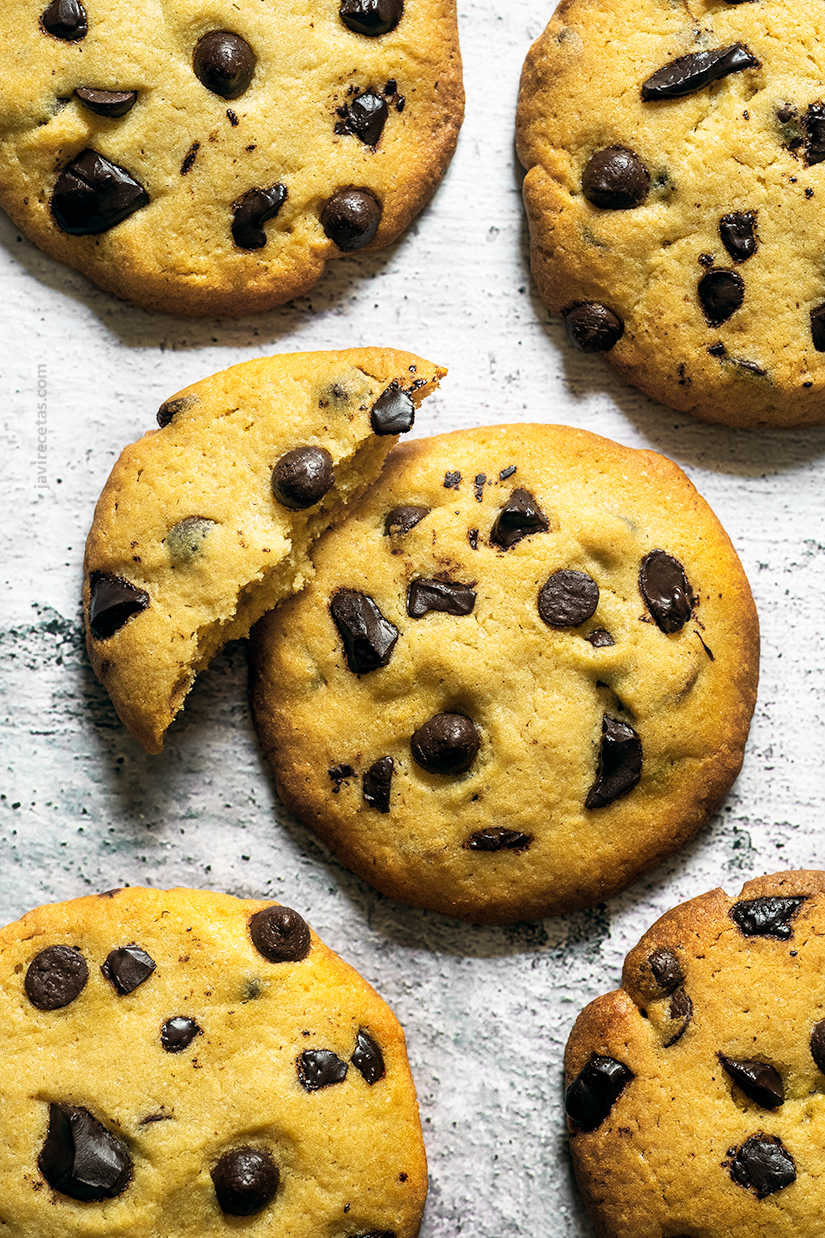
[177,1061]
[210,161]
[523,674]
[675,176]
[206,523]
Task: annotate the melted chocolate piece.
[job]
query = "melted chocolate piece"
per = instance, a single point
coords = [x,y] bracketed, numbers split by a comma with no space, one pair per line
[760,1083]
[245,1181]
[817,1043]
[447,744]
[620,763]
[168,411]
[178,1033]
[665,589]
[224,63]
[818,327]
[666,969]
[368,637]
[111,103]
[113,601]
[371,17]
[92,195]
[368,1059]
[320,1068]
[498,839]
[595,1090]
[393,412]
[185,540]
[615,179]
[814,134]
[600,639]
[520,517]
[763,1163]
[691,73]
[377,782]
[450,597]
[681,1013]
[80,1158]
[738,233]
[402,519]
[766,917]
[568,598]
[302,477]
[66,19]
[55,977]
[128,967]
[252,211]
[280,934]
[351,218]
[720,294]
[365,116]
[592,327]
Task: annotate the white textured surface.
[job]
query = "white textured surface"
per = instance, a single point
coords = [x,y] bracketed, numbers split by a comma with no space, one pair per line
[487,1011]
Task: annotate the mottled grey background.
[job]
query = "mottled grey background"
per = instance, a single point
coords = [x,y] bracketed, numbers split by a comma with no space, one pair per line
[82,808]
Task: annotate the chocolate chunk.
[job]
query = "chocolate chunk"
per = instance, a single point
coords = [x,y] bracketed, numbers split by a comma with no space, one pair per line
[368,637]
[252,211]
[111,103]
[718,350]
[320,1068]
[351,218]
[752,367]
[339,774]
[376,784]
[508,472]
[178,1033]
[815,134]
[592,327]
[817,1043]
[55,977]
[615,179]
[666,969]
[681,1013]
[720,293]
[92,195]
[568,598]
[185,540]
[498,839]
[818,327]
[620,763]
[520,517]
[600,639]
[452,480]
[450,597]
[691,73]
[665,589]
[168,411]
[595,1090]
[767,916]
[245,1181]
[113,601]
[738,233]
[393,412]
[365,116]
[371,17]
[478,486]
[763,1163]
[302,477]
[402,519]
[368,1059]
[66,19]
[128,967]
[224,63]
[447,744]
[189,158]
[759,1081]
[80,1158]
[280,934]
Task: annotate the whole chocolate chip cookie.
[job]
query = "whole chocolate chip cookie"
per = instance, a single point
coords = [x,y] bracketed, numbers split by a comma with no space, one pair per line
[695,1092]
[243,1070]
[523,674]
[206,523]
[211,160]
[674,188]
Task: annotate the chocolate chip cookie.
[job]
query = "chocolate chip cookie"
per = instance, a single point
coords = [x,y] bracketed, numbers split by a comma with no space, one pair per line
[206,523]
[675,177]
[211,160]
[523,674]
[178,1060]
[695,1092]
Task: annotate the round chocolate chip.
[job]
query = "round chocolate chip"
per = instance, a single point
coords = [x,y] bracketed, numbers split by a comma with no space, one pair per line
[615,179]
[447,744]
[371,17]
[245,1181]
[225,63]
[66,19]
[720,294]
[168,411]
[113,601]
[568,598]
[280,934]
[302,477]
[666,969]
[185,540]
[402,519]
[351,218]
[592,327]
[393,412]
[178,1033]
[55,977]
[111,103]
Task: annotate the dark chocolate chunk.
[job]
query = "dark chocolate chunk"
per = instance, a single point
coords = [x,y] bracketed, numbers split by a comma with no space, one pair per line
[111,103]
[280,934]
[691,73]
[447,744]
[592,327]
[508,472]
[766,917]
[498,839]
[365,116]
[92,195]
[720,294]
[568,598]
[320,1068]
[340,773]
[452,480]
[815,134]
[681,1013]
[368,1059]
[520,517]
[817,1043]
[351,218]
[738,233]
[818,327]
[478,486]
[450,597]
[302,477]
[371,17]
[66,19]
[80,1158]
[615,179]
[368,637]
[168,411]
[402,519]
[185,540]
[224,63]
[718,350]
[759,1081]
[55,977]
[763,1163]
[595,1090]
[113,601]
[252,211]
[178,1033]
[666,969]
[376,784]
[665,589]
[245,1181]
[620,763]
[600,639]
[189,158]
[127,967]
[393,412]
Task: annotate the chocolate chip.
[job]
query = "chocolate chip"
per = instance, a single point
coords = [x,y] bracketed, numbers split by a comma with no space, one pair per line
[818,327]
[600,639]
[478,486]
[691,73]
[224,63]
[720,293]
[393,412]
[763,1163]
[568,598]
[252,211]
[168,411]
[666,969]
[302,477]
[55,977]
[189,158]
[718,350]
[508,472]
[681,1013]
[738,233]
[615,179]
[520,517]
[368,637]
[450,597]
[371,17]
[280,934]
[320,1068]
[351,218]
[376,784]
[245,1181]
[178,1033]
[767,916]
[365,117]
[814,134]
[498,839]
[111,103]
[80,1158]
[447,744]
[66,19]
[185,540]
[592,327]
[595,1090]
[402,519]
[817,1043]
[113,601]
[452,480]
[128,967]
[92,195]
[759,1081]
[665,589]
[368,1059]
[620,763]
